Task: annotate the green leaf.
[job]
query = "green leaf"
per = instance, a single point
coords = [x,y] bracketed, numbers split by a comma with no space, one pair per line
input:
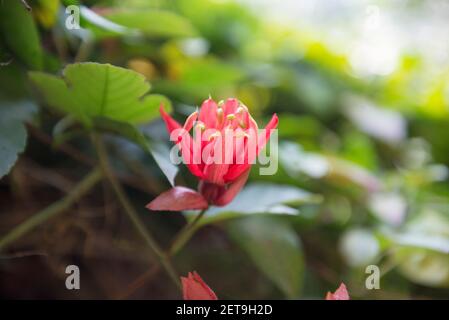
[275,249]
[90,90]
[153,22]
[262,198]
[5,57]
[13,79]
[296,161]
[161,154]
[20,34]
[13,134]
[108,98]
[422,250]
[429,230]
[12,142]
[426,267]
[359,148]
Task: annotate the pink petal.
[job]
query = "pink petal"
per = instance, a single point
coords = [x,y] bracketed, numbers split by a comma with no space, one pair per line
[244,118]
[263,139]
[178,199]
[186,144]
[340,294]
[214,173]
[190,120]
[194,288]
[236,170]
[184,140]
[171,123]
[208,113]
[252,123]
[231,106]
[232,190]
[249,156]
[215,170]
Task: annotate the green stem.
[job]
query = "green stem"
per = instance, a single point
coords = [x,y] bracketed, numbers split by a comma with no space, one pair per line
[54,209]
[132,214]
[184,235]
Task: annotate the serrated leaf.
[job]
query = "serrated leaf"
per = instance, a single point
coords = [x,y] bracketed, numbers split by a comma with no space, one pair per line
[20,34]
[90,90]
[13,134]
[275,249]
[12,142]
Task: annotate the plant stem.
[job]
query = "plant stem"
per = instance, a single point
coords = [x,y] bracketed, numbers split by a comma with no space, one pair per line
[184,235]
[54,209]
[132,214]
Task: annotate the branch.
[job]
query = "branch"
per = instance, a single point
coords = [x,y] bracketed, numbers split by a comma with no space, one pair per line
[184,235]
[129,209]
[52,210]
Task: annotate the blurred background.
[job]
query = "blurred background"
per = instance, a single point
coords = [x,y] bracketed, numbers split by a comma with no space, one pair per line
[362,93]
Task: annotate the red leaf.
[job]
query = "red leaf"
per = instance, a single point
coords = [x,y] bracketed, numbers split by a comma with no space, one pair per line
[340,294]
[194,288]
[178,199]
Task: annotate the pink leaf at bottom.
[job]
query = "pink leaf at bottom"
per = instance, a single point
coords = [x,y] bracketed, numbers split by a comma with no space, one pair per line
[194,288]
[340,294]
[178,199]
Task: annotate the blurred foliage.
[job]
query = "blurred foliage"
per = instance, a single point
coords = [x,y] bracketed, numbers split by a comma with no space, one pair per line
[362,176]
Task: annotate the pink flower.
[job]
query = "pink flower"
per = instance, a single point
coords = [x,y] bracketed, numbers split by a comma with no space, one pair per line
[340,294]
[224,145]
[194,288]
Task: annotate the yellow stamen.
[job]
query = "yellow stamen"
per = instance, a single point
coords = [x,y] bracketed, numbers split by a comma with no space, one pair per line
[241,134]
[214,135]
[243,107]
[190,119]
[230,116]
[220,115]
[200,125]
